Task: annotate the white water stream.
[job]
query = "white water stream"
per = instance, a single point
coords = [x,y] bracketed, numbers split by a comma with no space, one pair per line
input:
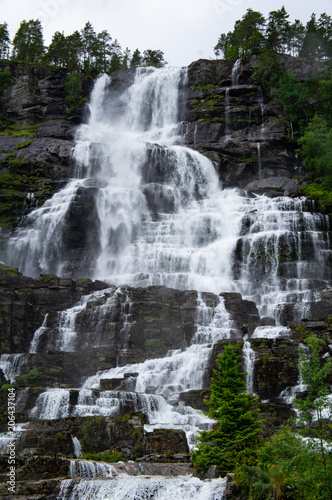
[163,219]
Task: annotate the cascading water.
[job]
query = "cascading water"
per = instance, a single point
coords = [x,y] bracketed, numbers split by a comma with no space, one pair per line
[236,72]
[161,218]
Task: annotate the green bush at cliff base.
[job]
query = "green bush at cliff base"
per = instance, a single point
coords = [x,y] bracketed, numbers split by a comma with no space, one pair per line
[113,456]
[287,469]
[320,191]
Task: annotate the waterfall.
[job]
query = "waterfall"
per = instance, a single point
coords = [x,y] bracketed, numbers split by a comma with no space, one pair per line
[259,160]
[289,394]
[11,365]
[236,72]
[151,211]
[249,364]
[142,487]
[161,217]
[77,447]
[38,333]
[227,111]
[89,468]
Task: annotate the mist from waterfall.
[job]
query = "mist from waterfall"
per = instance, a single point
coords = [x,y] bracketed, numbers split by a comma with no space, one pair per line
[162,216]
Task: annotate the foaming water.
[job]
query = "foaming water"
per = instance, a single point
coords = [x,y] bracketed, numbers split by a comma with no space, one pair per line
[157,215]
[161,216]
[144,487]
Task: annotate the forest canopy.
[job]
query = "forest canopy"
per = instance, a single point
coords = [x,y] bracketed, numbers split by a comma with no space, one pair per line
[253,34]
[83,50]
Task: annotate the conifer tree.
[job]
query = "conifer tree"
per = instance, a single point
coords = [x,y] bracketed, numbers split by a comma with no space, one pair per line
[4,41]
[232,440]
[136,60]
[28,43]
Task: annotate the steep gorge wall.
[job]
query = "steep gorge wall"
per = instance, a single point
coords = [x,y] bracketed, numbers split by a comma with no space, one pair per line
[160,318]
[223,121]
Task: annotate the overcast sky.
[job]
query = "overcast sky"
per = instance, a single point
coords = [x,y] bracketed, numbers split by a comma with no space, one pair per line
[185,30]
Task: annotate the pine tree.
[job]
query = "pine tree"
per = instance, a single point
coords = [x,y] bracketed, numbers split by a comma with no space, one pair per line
[278,30]
[28,44]
[57,52]
[136,60]
[153,58]
[232,440]
[4,41]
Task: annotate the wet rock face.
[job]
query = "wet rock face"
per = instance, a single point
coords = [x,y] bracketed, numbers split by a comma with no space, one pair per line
[37,94]
[39,156]
[124,434]
[25,302]
[161,441]
[237,127]
[276,366]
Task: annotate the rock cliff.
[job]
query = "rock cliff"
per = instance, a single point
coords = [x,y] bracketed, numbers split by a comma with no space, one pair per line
[229,119]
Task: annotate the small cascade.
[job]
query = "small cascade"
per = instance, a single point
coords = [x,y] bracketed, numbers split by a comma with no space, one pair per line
[271,332]
[259,160]
[100,310]
[249,364]
[158,383]
[213,323]
[289,394]
[144,487]
[38,244]
[195,135]
[90,469]
[261,103]
[7,439]
[124,335]
[5,442]
[227,112]
[236,72]
[38,333]
[77,447]
[11,365]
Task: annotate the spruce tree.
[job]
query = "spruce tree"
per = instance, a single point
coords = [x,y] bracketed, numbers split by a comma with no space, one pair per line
[28,43]
[4,41]
[232,439]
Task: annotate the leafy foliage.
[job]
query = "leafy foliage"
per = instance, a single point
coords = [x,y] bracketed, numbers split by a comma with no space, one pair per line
[253,34]
[232,439]
[5,80]
[83,50]
[316,148]
[289,465]
[288,469]
[74,89]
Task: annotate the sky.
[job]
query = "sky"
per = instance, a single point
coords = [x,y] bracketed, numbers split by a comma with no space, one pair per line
[185,30]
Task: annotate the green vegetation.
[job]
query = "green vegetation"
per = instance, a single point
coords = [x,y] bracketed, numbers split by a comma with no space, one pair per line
[74,90]
[288,469]
[9,271]
[254,34]
[234,438]
[110,456]
[28,44]
[306,103]
[290,466]
[5,78]
[22,145]
[83,50]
